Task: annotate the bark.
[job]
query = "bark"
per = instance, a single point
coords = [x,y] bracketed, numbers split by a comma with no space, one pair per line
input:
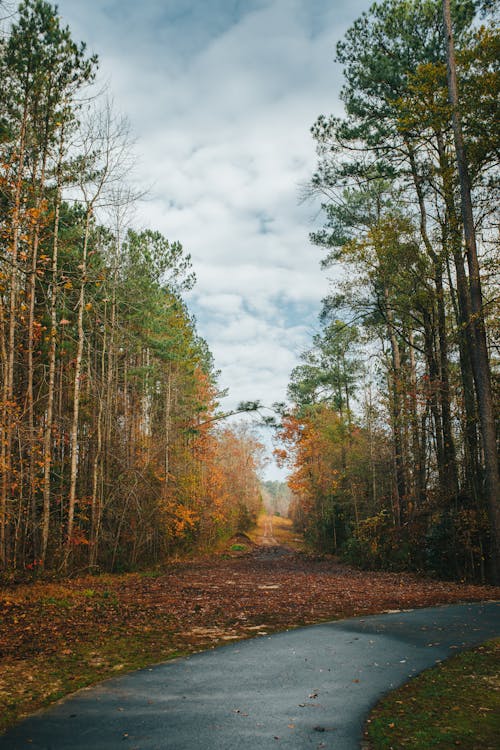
[481,359]
[449,471]
[449,453]
[416,438]
[96,500]
[373,471]
[32,480]
[401,487]
[462,308]
[49,418]
[8,406]
[432,367]
[76,396]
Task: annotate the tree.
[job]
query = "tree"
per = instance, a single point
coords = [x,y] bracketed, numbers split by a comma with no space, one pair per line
[388,186]
[110,456]
[41,70]
[480,359]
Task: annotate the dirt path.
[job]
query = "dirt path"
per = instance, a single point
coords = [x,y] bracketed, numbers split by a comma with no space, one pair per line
[276,531]
[267,539]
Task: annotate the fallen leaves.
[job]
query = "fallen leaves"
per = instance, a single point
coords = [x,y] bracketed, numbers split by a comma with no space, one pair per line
[186,607]
[208,601]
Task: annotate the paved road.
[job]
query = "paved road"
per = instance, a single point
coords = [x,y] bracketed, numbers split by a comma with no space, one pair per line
[307,688]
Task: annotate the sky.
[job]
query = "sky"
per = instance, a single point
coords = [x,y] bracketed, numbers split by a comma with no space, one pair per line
[221,95]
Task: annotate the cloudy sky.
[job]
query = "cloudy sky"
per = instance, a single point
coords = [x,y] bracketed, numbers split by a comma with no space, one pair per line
[221,95]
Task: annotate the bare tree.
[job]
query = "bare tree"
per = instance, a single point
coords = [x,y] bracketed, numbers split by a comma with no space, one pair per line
[104,161]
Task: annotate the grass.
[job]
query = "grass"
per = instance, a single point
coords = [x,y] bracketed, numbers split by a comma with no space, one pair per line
[455,704]
[27,685]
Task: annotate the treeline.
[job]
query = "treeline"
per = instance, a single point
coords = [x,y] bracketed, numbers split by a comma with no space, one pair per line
[110,456]
[276,497]
[392,438]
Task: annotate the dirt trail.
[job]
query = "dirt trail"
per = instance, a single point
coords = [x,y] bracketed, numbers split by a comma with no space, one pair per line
[267,539]
[274,538]
[276,533]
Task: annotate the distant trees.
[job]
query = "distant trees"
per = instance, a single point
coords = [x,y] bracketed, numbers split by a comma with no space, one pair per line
[109,456]
[240,458]
[392,195]
[276,497]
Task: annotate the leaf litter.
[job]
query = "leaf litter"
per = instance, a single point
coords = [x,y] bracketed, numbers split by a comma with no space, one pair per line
[58,637]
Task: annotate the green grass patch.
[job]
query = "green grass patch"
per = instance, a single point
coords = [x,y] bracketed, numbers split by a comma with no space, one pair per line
[55,601]
[153,574]
[455,704]
[238,547]
[30,684]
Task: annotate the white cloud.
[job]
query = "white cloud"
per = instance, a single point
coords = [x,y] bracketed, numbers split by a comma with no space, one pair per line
[221,96]
[221,304]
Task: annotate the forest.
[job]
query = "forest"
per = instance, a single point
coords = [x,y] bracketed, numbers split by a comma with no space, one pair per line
[112,454]
[392,435]
[135,523]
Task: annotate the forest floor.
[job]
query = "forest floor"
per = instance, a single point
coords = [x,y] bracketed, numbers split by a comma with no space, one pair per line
[58,637]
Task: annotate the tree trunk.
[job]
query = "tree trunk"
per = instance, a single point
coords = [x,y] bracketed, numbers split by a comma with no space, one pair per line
[49,418]
[448,471]
[32,479]
[416,438]
[462,308]
[76,396]
[432,367]
[481,359]
[8,406]
[396,414]
[449,453]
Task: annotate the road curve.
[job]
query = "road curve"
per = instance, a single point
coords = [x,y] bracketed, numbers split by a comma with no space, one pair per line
[306,688]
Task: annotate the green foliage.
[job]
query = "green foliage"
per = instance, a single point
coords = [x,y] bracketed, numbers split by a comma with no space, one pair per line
[456,541]
[41,68]
[107,389]
[330,369]
[377,544]
[400,451]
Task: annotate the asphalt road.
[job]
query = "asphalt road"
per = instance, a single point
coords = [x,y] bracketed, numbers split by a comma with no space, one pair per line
[306,688]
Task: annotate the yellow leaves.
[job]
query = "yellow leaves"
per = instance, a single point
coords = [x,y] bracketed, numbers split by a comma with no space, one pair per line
[185,518]
[34,214]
